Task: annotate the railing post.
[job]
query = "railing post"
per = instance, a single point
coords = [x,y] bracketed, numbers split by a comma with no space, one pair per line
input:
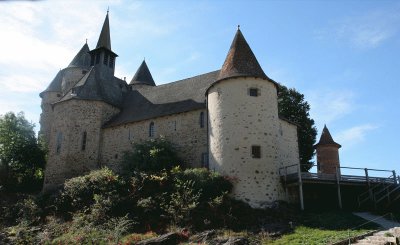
[338,187]
[394,177]
[300,188]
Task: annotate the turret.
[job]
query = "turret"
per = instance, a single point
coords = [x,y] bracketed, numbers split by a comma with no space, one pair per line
[327,153]
[102,57]
[243,126]
[142,76]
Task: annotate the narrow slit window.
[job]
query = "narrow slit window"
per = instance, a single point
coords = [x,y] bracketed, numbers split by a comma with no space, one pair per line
[256,151]
[151,129]
[112,60]
[84,138]
[105,61]
[202,119]
[204,160]
[59,141]
[253,92]
[97,58]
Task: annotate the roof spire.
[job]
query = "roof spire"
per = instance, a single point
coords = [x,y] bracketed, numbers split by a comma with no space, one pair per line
[108,9]
[326,138]
[143,76]
[240,61]
[104,38]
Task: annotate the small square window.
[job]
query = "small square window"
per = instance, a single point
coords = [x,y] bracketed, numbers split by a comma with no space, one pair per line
[253,92]
[256,151]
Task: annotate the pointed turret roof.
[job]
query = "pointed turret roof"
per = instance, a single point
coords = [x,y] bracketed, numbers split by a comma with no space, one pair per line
[143,76]
[104,38]
[241,61]
[326,139]
[82,58]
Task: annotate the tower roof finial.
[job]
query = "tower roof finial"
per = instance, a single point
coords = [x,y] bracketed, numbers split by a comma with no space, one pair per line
[238,27]
[108,9]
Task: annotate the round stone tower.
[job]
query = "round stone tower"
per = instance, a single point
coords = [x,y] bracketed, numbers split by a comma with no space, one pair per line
[327,153]
[243,127]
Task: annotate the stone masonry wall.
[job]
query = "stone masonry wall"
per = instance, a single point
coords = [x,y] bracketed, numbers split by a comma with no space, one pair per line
[288,154]
[71,119]
[182,129]
[238,121]
[46,117]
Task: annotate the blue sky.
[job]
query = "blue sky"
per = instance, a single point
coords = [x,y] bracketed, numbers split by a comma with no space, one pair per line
[342,55]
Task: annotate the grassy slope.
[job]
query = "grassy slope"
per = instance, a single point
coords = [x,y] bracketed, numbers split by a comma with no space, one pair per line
[325,228]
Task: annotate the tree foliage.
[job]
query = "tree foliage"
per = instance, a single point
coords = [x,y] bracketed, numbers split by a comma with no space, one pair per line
[292,106]
[21,158]
[151,156]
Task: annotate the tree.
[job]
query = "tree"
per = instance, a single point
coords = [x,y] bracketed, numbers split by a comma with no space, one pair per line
[151,156]
[292,106]
[21,158]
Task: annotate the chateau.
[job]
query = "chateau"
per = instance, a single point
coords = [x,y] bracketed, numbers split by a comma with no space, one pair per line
[225,120]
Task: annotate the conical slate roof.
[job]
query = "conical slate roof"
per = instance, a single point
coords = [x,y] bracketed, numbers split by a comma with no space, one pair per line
[104,38]
[82,58]
[326,139]
[241,61]
[143,76]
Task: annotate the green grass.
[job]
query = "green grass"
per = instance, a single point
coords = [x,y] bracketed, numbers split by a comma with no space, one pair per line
[325,228]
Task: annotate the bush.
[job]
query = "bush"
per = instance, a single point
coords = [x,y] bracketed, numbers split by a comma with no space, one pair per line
[80,193]
[152,156]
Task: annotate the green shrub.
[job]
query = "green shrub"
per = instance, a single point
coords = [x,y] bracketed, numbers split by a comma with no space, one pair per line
[79,193]
[151,156]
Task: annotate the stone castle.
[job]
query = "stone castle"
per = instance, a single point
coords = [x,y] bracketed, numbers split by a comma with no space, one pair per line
[225,120]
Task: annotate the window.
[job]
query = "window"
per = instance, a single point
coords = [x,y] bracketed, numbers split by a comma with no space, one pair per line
[253,92]
[91,59]
[112,60]
[59,141]
[151,129]
[204,160]
[84,136]
[202,119]
[256,151]
[97,58]
[105,61]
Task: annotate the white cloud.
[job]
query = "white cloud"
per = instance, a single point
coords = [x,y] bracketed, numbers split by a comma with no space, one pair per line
[354,135]
[328,106]
[365,31]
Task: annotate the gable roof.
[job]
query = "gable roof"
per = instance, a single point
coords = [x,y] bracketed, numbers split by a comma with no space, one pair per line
[326,139]
[143,76]
[146,102]
[240,61]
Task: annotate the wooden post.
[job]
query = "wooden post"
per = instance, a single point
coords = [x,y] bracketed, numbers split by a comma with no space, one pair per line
[394,177]
[300,189]
[338,187]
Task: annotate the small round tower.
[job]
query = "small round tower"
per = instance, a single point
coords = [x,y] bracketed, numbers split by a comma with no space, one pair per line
[327,153]
[243,127]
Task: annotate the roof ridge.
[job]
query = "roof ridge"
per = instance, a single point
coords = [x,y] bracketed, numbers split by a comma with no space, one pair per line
[181,80]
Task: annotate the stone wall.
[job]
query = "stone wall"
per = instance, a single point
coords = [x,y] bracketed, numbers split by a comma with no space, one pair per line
[71,119]
[46,117]
[181,129]
[288,145]
[71,75]
[238,121]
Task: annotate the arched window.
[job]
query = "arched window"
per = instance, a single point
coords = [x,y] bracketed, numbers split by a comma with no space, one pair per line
[151,129]
[202,119]
[84,136]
